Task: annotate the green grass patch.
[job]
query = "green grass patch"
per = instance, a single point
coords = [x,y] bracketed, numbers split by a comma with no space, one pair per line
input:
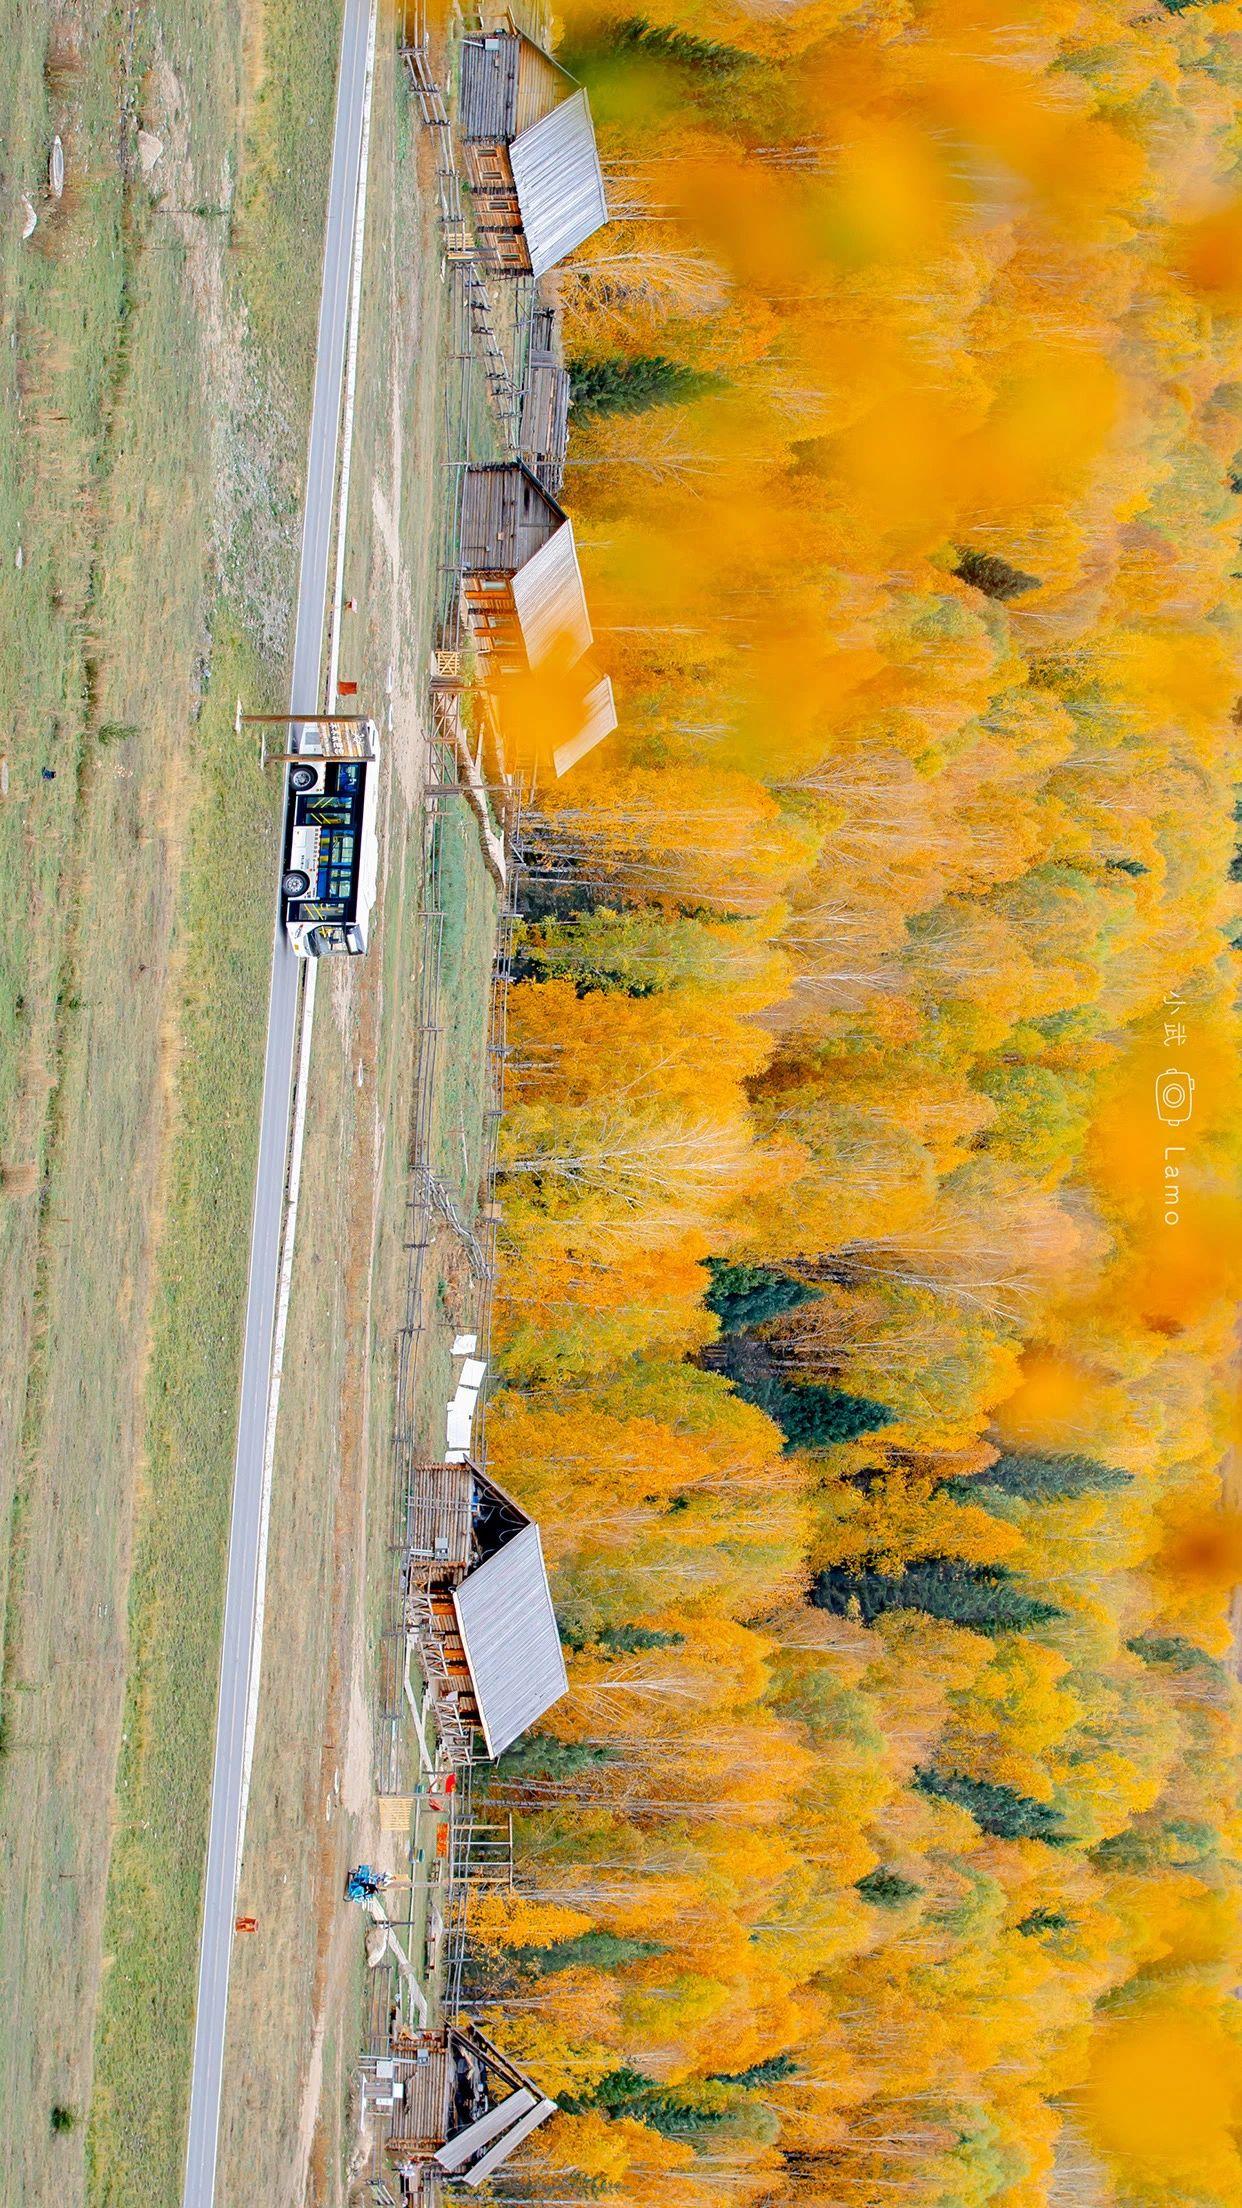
[125,375]
[280,225]
[62,322]
[468,901]
[144,2037]
[136,2139]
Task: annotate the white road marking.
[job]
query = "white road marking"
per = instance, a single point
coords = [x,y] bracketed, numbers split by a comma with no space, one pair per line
[247,1533]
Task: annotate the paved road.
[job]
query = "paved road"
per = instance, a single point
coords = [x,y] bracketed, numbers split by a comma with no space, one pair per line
[241,1597]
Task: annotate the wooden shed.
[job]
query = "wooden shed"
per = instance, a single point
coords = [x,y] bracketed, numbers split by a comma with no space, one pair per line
[447,2104]
[478,1602]
[523,597]
[543,436]
[531,160]
[520,574]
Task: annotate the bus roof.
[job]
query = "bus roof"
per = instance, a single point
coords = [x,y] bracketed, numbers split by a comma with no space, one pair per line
[368,856]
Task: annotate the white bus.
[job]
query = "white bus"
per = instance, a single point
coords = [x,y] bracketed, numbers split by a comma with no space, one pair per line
[331,853]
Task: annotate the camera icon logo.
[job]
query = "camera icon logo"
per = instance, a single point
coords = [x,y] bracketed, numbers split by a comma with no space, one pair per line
[1175,1097]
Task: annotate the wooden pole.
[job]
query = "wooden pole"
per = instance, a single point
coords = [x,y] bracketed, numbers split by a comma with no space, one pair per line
[296,720]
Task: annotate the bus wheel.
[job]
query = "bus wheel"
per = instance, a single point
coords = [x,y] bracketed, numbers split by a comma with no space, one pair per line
[294,883]
[303,778]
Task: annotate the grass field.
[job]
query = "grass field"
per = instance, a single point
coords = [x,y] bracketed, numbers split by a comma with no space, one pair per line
[176,1588]
[161,348]
[152,493]
[136,2142]
[458,1139]
[469,904]
[288,2126]
[104,639]
[287,2129]
[65,364]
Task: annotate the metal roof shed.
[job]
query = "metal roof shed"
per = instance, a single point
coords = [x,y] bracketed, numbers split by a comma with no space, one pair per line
[543,438]
[536,185]
[508,1631]
[520,575]
[446,2103]
[550,602]
[559,183]
[507,83]
[523,597]
[474,2154]
[477,1602]
[599,718]
[506,517]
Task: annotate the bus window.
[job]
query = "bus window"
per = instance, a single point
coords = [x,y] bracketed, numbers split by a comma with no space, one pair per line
[320,942]
[340,883]
[326,812]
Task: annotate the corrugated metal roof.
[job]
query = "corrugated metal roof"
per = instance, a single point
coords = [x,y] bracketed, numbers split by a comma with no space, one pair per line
[508,1630]
[485,2128]
[550,602]
[599,718]
[508,2140]
[560,185]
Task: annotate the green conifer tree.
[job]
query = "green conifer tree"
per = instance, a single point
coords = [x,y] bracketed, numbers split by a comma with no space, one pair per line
[771,2072]
[628,1640]
[594,1950]
[634,35]
[542,1756]
[621,383]
[986,571]
[810,1415]
[1172,1652]
[986,1598]
[813,1417]
[745,1296]
[998,1810]
[1047,1479]
[887,1889]
[627,2092]
[1045,1920]
[1152,1842]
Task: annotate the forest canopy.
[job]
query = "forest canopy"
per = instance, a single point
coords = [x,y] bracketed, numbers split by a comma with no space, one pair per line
[864,1359]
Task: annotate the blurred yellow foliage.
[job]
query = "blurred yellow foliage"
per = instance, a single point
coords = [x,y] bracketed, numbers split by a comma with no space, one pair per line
[1165,2100]
[904,468]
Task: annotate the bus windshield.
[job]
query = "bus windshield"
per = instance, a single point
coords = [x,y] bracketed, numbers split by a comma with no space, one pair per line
[329,878]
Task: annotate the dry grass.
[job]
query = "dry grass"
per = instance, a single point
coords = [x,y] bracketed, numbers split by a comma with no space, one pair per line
[111,625]
[63,66]
[137,2111]
[287,2120]
[128,1090]
[17,1181]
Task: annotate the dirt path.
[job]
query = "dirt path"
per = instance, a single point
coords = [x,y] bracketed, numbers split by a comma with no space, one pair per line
[295,2001]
